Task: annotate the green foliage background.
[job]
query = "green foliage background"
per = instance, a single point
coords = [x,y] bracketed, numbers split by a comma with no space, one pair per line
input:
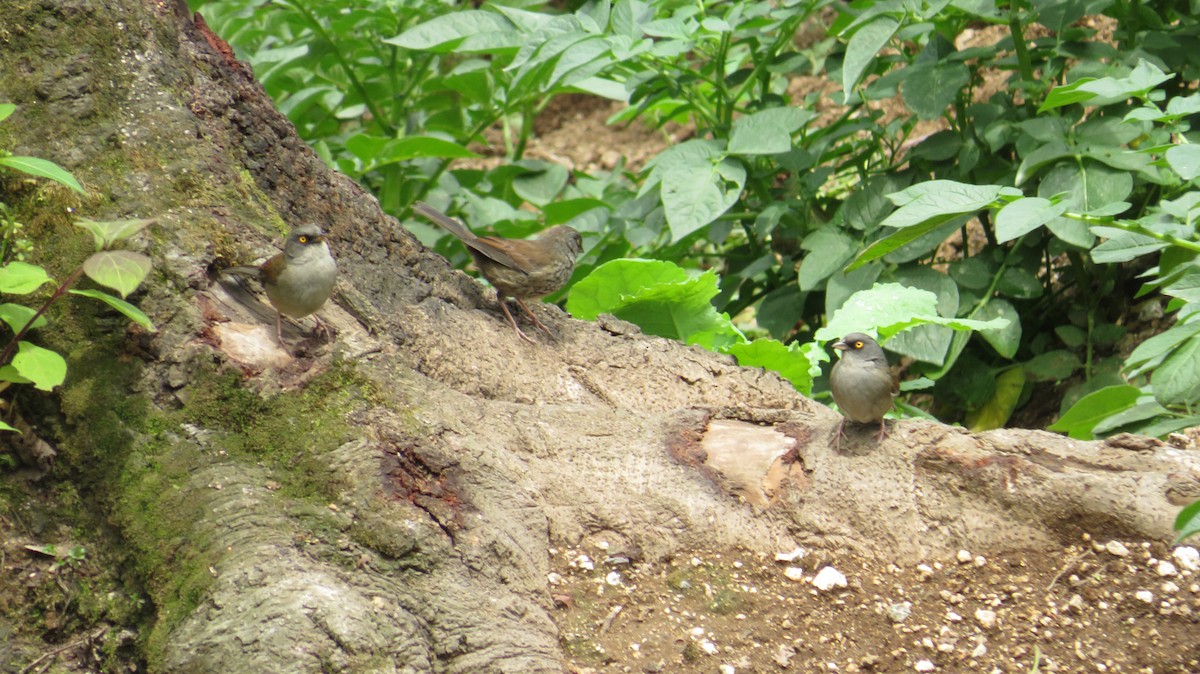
[1004,255]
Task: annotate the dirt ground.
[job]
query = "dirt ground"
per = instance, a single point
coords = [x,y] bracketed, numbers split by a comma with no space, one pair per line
[1093,607]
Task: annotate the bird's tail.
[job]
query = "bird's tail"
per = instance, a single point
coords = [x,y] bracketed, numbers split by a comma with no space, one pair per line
[253,272]
[450,224]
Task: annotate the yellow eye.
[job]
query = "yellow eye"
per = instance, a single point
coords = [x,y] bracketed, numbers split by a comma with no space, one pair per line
[858,344]
[302,239]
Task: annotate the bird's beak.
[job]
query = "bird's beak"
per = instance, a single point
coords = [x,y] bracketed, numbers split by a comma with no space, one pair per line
[840,346]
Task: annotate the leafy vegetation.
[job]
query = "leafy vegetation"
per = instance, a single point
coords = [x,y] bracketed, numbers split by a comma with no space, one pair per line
[22,361]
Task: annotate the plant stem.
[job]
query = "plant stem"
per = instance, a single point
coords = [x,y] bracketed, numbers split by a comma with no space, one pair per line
[7,354]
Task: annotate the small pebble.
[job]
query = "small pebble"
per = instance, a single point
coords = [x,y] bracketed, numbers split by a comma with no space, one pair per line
[964,557]
[794,573]
[829,578]
[1187,557]
[1169,588]
[985,618]
[1116,549]
[709,647]
[898,613]
[1144,596]
[792,556]
[553,578]
[924,666]
[613,578]
[727,669]
[1166,569]
[979,651]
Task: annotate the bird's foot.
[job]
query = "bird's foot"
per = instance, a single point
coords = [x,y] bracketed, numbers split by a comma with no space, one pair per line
[533,317]
[513,322]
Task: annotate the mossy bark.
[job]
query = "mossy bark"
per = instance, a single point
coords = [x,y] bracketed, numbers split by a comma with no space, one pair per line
[388,504]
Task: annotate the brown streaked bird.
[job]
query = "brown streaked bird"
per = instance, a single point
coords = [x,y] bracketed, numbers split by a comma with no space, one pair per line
[298,280]
[522,269]
[862,384]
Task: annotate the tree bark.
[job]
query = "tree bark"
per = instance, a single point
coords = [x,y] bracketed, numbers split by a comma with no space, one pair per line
[386,503]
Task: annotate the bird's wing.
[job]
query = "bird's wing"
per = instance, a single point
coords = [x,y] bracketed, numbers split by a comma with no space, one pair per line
[481,245]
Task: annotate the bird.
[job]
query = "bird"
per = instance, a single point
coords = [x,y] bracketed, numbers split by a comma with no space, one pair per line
[862,384]
[522,269]
[298,280]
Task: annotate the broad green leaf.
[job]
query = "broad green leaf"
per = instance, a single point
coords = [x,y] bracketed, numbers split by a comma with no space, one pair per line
[6,109]
[888,308]
[1186,287]
[110,231]
[1139,412]
[121,270]
[1151,352]
[1123,246]
[17,316]
[931,88]
[44,368]
[1019,283]
[787,360]
[42,169]
[1025,215]
[939,201]
[696,195]
[892,243]
[862,47]
[999,407]
[9,373]
[829,249]
[20,278]
[131,312]
[1054,365]
[542,183]
[1185,159]
[1093,408]
[377,151]
[1007,338]
[660,297]
[1187,523]
[767,132]
[1177,380]
[6,427]
[446,32]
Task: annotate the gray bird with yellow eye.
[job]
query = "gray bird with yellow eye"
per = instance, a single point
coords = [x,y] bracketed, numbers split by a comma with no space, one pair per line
[299,280]
[862,384]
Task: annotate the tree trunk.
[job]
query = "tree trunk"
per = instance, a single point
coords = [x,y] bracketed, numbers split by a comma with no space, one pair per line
[386,502]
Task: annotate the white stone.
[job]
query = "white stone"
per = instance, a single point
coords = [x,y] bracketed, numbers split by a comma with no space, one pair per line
[613,578]
[1169,588]
[794,573]
[829,578]
[924,666]
[1116,549]
[953,617]
[979,651]
[1144,596]
[986,618]
[1165,569]
[585,562]
[709,647]
[964,557]
[1187,557]
[792,556]
[727,669]
[899,612]
[553,578]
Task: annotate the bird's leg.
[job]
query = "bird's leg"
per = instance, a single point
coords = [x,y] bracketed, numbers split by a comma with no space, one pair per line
[883,433]
[323,328]
[534,317]
[512,321]
[841,433]
[279,329]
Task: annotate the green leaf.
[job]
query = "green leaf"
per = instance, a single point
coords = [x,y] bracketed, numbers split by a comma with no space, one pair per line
[1154,350]
[1054,365]
[9,373]
[767,132]
[889,308]
[787,360]
[1185,159]
[660,297]
[1177,380]
[1025,215]
[121,270]
[17,316]
[20,278]
[449,31]
[999,407]
[932,87]
[939,201]
[43,169]
[862,47]
[44,368]
[1123,246]
[109,232]
[697,184]
[377,151]
[1019,283]
[829,250]
[6,109]
[1006,339]
[1187,523]
[1093,408]
[6,427]
[131,312]
[894,242]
